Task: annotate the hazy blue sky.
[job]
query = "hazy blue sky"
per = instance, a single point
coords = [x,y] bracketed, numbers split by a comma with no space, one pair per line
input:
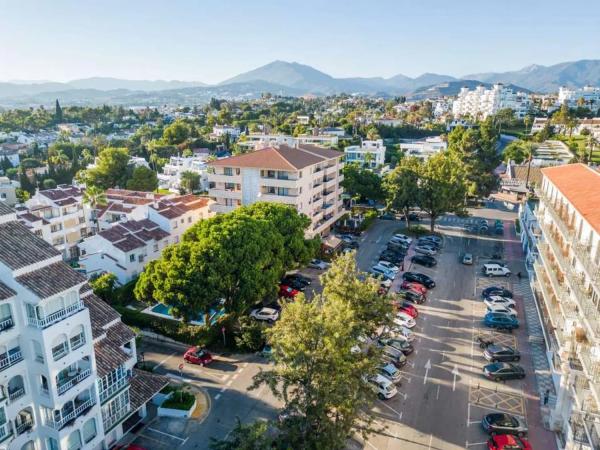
[212,40]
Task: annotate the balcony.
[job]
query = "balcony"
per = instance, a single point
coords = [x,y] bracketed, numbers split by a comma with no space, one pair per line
[24,426]
[60,351]
[44,322]
[16,394]
[80,410]
[113,388]
[549,298]
[10,358]
[77,341]
[113,419]
[74,378]
[6,324]
[5,431]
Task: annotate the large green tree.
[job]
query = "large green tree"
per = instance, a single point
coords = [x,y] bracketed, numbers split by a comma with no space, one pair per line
[143,179]
[401,186]
[190,181]
[362,183]
[111,169]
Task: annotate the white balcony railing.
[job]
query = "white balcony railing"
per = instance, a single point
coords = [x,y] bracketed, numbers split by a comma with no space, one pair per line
[6,324]
[67,384]
[55,316]
[10,358]
[5,431]
[58,424]
[77,341]
[60,351]
[110,420]
[113,388]
[17,393]
[24,426]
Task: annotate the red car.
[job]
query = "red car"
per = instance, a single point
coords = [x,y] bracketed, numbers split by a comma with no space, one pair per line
[409,309]
[197,355]
[508,442]
[287,292]
[413,286]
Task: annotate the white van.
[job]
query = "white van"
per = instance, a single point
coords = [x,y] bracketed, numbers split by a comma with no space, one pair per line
[496,270]
[383,387]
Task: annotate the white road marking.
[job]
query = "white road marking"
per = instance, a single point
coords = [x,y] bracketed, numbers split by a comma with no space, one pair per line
[430,441]
[235,376]
[223,390]
[217,397]
[166,434]
[390,408]
[378,240]
[437,396]
[455,373]
[427,367]
[165,360]
[371,445]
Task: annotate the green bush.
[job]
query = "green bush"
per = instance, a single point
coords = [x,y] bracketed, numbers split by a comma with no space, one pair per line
[417,230]
[180,400]
[250,336]
[369,219]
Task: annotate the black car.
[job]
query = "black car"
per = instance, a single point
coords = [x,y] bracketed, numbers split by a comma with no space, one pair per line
[400,251]
[419,278]
[501,423]
[413,217]
[501,371]
[411,296]
[391,257]
[496,290]
[502,353]
[299,278]
[429,243]
[404,346]
[424,260]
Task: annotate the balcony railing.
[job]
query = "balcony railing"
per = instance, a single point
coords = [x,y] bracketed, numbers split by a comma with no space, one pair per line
[5,431]
[68,383]
[24,426]
[591,365]
[10,358]
[77,341]
[6,324]
[112,419]
[55,316]
[80,410]
[60,351]
[564,227]
[551,305]
[113,388]
[16,394]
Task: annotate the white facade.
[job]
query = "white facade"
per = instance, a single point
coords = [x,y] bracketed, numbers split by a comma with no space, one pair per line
[424,148]
[482,102]
[222,130]
[8,190]
[567,286]
[358,153]
[589,94]
[170,178]
[257,141]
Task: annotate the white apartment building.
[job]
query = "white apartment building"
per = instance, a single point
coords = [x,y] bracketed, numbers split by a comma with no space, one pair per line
[481,102]
[66,360]
[69,218]
[424,148]
[8,190]
[592,125]
[539,123]
[306,177]
[128,245]
[222,130]
[170,178]
[122,205]
[358,153]
[256,141]
[567,285]
[570,96]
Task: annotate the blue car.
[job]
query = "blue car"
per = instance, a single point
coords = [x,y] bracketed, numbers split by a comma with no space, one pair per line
[500,321]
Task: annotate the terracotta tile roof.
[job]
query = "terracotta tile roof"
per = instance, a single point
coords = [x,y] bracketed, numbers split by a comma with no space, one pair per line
[144,386]
[51,279]
[61,193]
[580,184]
[108,358]
[178,206]
[535,174]
[321,151]
[133,234]
[101,314]
[21,248]
[6,292]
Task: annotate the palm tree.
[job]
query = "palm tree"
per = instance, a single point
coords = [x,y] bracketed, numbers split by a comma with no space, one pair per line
[94,197]
[530,151]
[591,144]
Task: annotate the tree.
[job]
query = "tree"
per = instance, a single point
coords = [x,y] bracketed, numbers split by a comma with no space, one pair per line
[514,152]
[442,186]
[253,436]
[176,133]
[529,151]
[22,195]
[401,186]
[362,183]
[591,143]
[49,183]
[190,181]
[104,286]
[143,179]
[111,169]
[58,113]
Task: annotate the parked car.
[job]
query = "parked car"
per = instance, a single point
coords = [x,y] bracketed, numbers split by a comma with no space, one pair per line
[294,284]
[414,286]
[380,270]
[497,300]
[391,372]
[409,309]
[265,314]
[432,237]
[318,264]
[496,290]
[397,246]
[383,387]
[419,278]
[286,291]
[411,296]
[424,260]
[267,352]
[197,355]
[501,371]
[467,259]
[500,321]
[402,237]
[495,270]
[389,266]
[430,251]
[394,258]
[404,320]
[298,277]
[507,442]
[399,343]
[502,423]
[496,308]
[400,331]
[501,353]
[383,281]
[387,216]
[394,356]
[428,243]
[413,217]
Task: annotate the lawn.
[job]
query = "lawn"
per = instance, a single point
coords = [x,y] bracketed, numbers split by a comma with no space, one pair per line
[180,400]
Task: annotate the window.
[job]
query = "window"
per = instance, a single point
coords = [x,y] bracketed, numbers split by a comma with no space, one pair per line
[190,219]
[89,430]
[155,247]
[182,220]
[140,258]
[131,258]
[228,171]
[56,227]
[282,191]
[175,224]
[3,195]
[52,444]
[229,186]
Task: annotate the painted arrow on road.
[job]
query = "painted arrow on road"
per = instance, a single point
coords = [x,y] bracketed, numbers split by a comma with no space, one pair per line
[455,373]
[427,367]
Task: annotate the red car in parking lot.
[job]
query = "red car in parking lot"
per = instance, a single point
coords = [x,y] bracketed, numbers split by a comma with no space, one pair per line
[409,309]
[414,286]
[508,442]
[197,355]
[287,292]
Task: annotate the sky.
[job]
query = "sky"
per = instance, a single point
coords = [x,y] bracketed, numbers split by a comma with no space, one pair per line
[210,41]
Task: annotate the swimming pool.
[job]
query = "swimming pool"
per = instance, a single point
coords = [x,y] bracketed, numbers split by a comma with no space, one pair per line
[164,311]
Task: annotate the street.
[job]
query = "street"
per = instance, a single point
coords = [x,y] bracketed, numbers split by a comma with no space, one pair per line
[443,394]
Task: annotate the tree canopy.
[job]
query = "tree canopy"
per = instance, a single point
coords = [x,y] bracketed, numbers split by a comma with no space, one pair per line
[143,179]
[401,185]
[362,183]
[111,169]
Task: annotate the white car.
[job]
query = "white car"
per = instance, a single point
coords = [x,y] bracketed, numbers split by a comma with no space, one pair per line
[429,251]
[404,321]
[502,309]
[401,332]
[402,237]
[497,300]
[389,266]
[380,270]
[382,386]
[265,314]
[318,264]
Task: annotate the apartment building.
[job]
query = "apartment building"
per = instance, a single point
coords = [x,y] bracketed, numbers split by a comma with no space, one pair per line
[256,141]
[8,191]
[66,360]
[481,102]
[69,218]
[358,153]
[307,177]
[567,286]
[170,178]
[590,95]
[424,148]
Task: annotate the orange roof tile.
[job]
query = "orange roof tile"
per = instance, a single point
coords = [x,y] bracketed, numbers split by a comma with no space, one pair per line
[580,184]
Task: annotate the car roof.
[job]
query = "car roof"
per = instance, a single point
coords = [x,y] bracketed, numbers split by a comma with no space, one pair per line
[268,310]
[382,380]
[498,348]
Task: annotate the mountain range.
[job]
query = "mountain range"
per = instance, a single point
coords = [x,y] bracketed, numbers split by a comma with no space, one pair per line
[293,79]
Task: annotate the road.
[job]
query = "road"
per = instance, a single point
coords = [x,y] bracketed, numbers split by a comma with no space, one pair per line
[443,394]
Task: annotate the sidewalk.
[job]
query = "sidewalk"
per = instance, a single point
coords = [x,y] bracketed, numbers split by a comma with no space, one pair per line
[539,436]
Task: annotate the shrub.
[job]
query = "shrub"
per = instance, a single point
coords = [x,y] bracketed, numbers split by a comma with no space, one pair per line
[250,335]
[104,286]
[369,218]
[179,400]
[417,230]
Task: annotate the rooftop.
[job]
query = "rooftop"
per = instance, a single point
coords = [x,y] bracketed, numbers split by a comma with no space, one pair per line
[21,248]
[51,279]
[133,234]
[580,184]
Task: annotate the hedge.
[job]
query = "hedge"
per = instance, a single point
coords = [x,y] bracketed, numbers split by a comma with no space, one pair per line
[179,400]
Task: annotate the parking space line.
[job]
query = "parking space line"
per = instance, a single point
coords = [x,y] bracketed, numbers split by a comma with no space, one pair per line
[164,360]
[217,397]
[166,434]
[390,408]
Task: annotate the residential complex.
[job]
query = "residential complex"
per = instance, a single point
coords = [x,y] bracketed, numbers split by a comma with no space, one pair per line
[481,102]
[589,95]
[424,148]
[68,380]
[567,285]
[368,153]
[307,177]
[8,190]
[170,178]
[256,141]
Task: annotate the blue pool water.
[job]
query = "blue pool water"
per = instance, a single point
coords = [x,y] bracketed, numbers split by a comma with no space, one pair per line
[166,311]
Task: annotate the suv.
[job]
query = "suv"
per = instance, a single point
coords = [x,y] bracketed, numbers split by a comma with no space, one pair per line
[383,387]
[419,278]
[411,296]
[496,270]
[394,356]
[382,271]
[424,260]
